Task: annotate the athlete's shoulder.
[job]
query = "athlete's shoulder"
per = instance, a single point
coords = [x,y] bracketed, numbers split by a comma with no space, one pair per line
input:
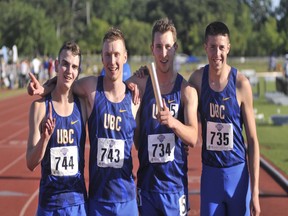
[39,103]
[195,79]
[241,80]
[38,109]
[186,86]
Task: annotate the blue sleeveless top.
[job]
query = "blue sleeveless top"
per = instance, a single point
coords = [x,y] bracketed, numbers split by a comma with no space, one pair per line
[111,130]
[221,118]
[162,158]
[62,181]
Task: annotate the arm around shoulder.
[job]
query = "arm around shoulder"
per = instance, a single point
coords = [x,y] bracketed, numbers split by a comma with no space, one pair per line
[84,86]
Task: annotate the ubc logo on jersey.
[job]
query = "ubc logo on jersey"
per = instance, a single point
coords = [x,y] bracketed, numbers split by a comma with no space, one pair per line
[173,108]
[112,122]
[217,111]
[65,136]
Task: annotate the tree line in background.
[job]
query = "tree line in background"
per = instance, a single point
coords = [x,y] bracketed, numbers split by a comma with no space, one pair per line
[40,26]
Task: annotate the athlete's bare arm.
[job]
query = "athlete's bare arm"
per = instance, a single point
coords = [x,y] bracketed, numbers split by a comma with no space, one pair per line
[245,97]
[40,131]
[187,131]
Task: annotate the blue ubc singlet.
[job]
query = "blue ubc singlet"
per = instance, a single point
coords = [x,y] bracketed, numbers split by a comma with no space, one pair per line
[62,181]
[162,158]
[111,130]
[223,143]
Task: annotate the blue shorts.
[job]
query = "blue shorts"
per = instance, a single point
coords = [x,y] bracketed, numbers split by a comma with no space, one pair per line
[154,204]
[225,191]
[97,208]
[71,210]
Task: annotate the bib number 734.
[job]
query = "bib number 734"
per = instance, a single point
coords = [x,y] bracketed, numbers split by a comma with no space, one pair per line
[161,147]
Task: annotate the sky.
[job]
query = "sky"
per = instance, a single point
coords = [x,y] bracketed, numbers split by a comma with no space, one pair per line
[275,3]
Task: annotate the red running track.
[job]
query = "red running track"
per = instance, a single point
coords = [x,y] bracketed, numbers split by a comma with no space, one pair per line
[19,186]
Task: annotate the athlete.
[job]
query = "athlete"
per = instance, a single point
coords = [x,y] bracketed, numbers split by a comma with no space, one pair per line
[111,126]
[57,141]
[225,104]
[162,175]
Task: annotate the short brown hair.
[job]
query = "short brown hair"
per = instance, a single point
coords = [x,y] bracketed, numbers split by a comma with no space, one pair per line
[74,48]
[163,25]
[114,34]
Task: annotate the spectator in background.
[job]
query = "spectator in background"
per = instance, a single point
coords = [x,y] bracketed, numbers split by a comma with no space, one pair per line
[46,67]
[285,66]
[36,67]
[50,68]
[23,75]
[272,63]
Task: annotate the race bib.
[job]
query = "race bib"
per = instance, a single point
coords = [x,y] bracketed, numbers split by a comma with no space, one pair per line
[110,153]
[64,160]
[219,136]
[161,147]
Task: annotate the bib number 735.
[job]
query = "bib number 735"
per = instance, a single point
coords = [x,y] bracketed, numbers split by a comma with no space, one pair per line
[219,136]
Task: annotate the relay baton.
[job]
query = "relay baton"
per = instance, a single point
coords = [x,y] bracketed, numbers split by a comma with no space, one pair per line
[156,87]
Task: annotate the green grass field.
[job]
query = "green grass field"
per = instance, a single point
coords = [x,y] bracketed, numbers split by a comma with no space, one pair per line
[273,139]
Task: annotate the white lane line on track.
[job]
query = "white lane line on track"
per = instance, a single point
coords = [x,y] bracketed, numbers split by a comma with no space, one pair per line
[12,164]
[13,135]
[14,109]
[194,179]
[27,204]
[3,123]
